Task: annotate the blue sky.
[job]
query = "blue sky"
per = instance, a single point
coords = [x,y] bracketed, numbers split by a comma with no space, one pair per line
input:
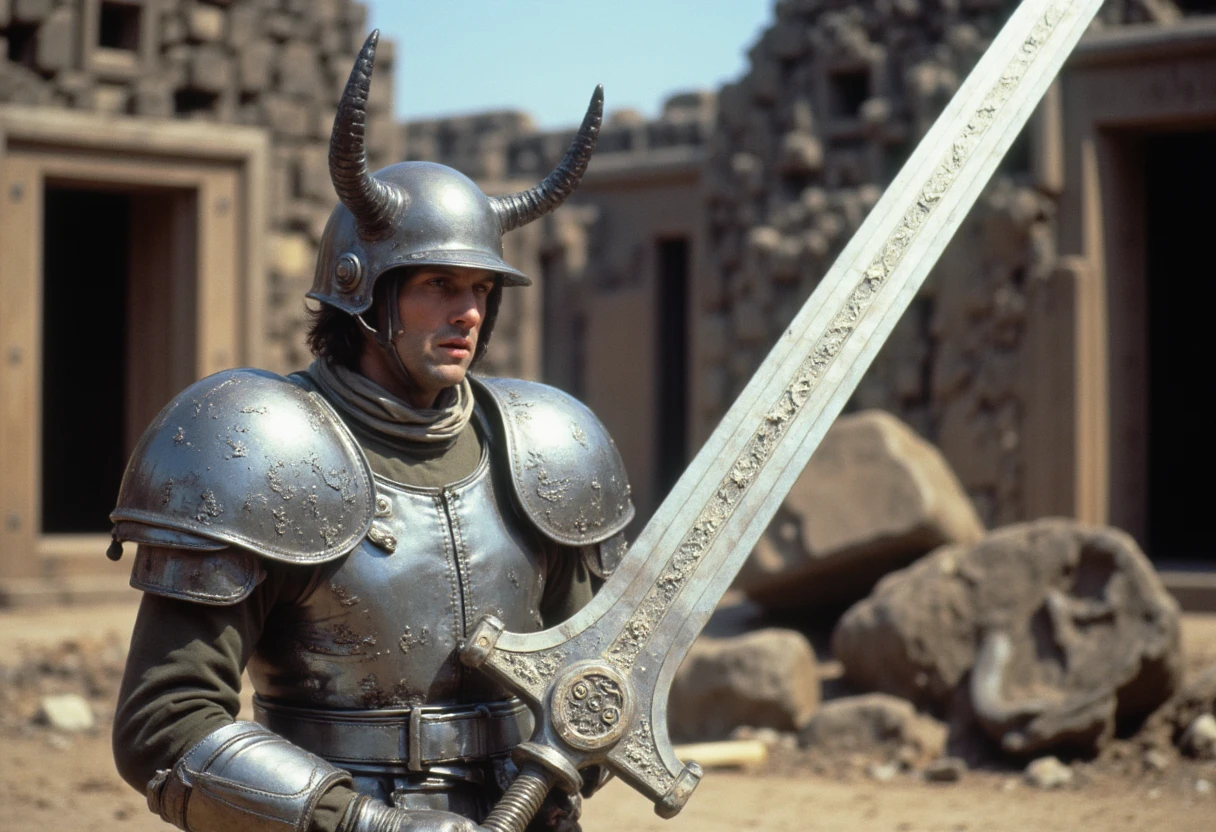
[545,56]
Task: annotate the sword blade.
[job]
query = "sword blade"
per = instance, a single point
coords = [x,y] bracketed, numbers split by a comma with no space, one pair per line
[646,617]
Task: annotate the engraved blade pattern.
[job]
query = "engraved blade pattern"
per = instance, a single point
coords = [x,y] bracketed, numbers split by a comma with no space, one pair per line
[644,620]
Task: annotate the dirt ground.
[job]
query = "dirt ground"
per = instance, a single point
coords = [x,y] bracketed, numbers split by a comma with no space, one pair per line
[51,781]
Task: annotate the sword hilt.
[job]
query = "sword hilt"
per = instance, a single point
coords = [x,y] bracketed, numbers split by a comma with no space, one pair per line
[540,769]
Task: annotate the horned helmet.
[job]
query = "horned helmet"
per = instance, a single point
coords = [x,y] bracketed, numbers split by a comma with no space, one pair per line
[422,214]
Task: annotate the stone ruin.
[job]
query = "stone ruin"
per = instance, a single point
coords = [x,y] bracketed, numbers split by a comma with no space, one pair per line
[837,96]
[278,65]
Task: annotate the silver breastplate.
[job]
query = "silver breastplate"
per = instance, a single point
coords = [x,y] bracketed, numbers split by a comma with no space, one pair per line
[381,629]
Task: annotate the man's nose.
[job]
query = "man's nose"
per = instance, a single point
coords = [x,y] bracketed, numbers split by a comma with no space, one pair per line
[468,310]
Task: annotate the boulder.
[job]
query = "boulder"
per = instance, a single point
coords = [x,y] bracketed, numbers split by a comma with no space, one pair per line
[763,679]
[1056,630]
[877,727]
[874,498]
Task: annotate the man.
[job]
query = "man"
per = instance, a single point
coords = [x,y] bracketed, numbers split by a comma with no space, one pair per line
[339,531]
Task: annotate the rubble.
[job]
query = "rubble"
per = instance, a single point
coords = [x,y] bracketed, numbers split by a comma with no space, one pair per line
[766,678]
[67,712]
[945,770]
[1199,739]
[1048,773]
[876,726]
[874,497]
[1051,629]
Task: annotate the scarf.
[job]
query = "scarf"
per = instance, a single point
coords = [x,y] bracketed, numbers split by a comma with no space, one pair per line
[379,411]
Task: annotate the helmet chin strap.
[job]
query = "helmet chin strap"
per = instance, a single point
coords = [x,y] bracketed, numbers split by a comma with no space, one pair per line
[388,330]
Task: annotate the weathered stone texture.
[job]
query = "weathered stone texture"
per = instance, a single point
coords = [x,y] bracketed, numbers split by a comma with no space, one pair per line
[874,498]
[275,65]
[1049,631]
[762,679]
[876,726]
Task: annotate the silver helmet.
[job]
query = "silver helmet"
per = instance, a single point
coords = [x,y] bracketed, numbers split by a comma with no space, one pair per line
[421,213]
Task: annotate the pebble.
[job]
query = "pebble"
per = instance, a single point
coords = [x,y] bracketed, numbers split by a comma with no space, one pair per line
[67,712]
[1048,773]
[1156,760]
[1199,739]
[882,772]
[945,770]
[1203,786]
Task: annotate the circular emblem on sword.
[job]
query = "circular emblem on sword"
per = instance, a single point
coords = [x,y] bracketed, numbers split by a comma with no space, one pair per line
[592,705]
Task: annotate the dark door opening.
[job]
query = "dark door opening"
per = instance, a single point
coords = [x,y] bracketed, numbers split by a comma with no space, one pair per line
[86,260]
[671,336]
[1180,179]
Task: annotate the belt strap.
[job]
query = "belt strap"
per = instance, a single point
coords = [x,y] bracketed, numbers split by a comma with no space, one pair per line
[404,738]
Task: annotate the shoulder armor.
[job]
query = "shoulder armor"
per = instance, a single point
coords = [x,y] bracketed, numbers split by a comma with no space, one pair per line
[568,477]
[251,459]
[220,578]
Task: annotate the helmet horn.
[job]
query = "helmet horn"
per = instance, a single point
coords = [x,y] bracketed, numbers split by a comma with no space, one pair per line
[373,203]
[521,208]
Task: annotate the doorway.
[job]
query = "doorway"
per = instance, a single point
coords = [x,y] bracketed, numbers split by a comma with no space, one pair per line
[1180,215]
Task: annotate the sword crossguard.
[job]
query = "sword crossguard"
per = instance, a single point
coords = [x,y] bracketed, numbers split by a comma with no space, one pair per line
[589,711]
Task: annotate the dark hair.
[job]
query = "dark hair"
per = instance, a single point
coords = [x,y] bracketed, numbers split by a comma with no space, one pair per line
[335,335]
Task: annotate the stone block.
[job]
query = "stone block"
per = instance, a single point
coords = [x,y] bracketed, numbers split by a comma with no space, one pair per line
[244,25]
[56,41]
[255,66]
[1041,633]
[762,679]
[152,97]
[173,29]
[279,25]
[876,727]
[209,69]
[873,498]
[205,24]
[31,11]
[287,117]
[297,72]
[111,98]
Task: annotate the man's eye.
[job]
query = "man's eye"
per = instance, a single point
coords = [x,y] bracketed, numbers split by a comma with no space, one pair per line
[438,282]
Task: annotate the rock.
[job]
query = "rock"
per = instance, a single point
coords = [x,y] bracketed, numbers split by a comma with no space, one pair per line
[1156,760]
[945,770]
[1199,739]
[1048,773]
[1203,786]
[874,497]
[882,772]
[66,712]
[765,678]
[1058,629]
[877,726]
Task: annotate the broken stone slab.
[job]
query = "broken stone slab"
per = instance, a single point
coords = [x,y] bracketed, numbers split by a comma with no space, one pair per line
[874,498]
[1052,630]
[764,679]
[67,712]
[876,726]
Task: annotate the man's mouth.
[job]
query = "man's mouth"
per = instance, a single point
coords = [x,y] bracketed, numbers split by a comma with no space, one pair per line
[457,347]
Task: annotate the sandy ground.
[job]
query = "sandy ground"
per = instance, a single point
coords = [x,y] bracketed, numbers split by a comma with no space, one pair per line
[50,781]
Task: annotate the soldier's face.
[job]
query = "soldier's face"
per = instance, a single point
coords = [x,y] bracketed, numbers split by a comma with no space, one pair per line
[441,311]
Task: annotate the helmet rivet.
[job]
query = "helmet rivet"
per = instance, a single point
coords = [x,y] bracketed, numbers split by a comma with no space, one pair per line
[348,271]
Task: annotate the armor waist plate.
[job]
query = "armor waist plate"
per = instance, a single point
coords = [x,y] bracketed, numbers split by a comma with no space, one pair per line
[381,629]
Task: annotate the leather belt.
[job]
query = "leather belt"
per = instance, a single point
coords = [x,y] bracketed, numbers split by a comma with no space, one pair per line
[402,738]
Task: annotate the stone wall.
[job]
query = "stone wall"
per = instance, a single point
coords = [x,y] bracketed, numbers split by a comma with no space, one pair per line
[278,64]
[837,96]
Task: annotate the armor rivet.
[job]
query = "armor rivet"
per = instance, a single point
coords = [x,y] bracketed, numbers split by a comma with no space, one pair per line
[348,271]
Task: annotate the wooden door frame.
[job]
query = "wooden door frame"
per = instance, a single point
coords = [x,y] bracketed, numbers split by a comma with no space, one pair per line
[226,166]
[1086,348]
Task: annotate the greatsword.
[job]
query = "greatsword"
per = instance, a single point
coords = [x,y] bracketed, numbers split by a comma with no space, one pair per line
[598,683]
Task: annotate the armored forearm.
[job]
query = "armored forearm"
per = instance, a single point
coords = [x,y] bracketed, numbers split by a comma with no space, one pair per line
[243,777]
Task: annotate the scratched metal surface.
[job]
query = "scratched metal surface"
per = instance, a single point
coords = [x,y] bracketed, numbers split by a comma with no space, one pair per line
[248,458]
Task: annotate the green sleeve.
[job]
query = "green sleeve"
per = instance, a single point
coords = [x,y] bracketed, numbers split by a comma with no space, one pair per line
[567,585]
[183,681]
